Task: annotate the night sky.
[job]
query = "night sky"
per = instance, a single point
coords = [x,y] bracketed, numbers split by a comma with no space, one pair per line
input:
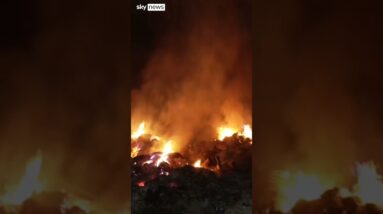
[150,29]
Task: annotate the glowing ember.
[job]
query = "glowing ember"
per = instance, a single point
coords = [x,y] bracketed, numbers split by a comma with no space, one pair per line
[370,186]
[28,185]
[165,153]
[139,132]
[293,187]
[197,164]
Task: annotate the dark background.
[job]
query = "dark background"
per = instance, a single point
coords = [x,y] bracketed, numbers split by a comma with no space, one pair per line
[317,87]
[65,91]
[149,29]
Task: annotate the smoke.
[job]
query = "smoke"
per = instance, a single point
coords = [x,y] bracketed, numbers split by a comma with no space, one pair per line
[199,78]
[66,94]
[316,90]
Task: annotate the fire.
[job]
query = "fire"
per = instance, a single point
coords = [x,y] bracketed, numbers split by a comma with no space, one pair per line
[224,132]
[161,150]
[157,160]
[28,185]
[139,132]
[134,152]
[247,132]
[293,187]
[370,186]
[197,164]
[168,148]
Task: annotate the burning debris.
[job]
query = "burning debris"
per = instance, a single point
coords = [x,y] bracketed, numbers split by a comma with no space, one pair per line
[225,151]
[301,193]
[217,180]
[191,121]
[224,132]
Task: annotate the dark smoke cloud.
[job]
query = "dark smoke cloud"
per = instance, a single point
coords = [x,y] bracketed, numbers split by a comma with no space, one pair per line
[199,73]
[317,91]
[65,92]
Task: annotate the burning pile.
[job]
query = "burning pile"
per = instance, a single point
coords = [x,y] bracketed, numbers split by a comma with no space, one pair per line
[213,180]
[304,193]
[229,142]
[30,196]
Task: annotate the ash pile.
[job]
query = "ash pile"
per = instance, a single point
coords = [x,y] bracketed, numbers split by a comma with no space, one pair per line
[222,185]
[330,203]
[48,202]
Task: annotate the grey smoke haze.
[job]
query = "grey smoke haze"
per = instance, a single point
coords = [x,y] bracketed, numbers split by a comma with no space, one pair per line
[198,77]
[317,86]
[65,92]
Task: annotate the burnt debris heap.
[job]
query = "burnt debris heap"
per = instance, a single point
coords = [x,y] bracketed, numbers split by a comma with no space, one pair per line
[221,185]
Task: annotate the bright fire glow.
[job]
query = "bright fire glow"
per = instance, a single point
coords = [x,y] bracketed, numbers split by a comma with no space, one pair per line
[224,132]
[370,186]
[168,148]
[139,132]
[28,185]
[197,164]
[293,187]
[247,132]
[134,152]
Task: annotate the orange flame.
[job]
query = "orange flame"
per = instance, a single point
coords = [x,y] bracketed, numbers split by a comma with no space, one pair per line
[139,132]
[28,185]
[247,132]
[165,153]
[197,164]
[224,132]
[134,152]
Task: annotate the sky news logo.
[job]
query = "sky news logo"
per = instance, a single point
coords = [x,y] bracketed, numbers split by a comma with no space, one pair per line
[151,7]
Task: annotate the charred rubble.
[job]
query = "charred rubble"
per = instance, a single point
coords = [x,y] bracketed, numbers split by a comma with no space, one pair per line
[223,185]
[330,202]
